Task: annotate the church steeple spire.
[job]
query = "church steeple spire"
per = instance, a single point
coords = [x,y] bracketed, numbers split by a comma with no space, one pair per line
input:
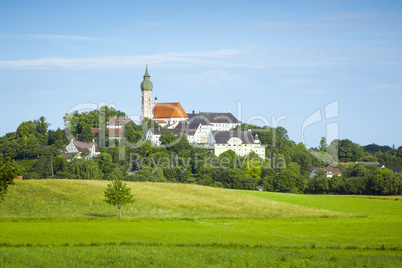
[146,96]
[146,71]
[146,83]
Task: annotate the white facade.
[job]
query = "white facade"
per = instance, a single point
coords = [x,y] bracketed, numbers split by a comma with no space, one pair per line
[146,104]
[153,137]
[329,172]
[224,126]
[202,133]
[241,142]
[82,146]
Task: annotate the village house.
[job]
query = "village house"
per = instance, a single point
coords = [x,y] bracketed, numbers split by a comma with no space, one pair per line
[241,142]
[329,172]
[115,127]
[79,147]
[119,122]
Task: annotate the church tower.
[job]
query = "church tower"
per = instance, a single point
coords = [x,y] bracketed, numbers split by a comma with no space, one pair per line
[146,96]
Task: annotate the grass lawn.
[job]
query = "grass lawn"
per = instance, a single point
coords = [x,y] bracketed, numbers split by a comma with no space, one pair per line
[63,223]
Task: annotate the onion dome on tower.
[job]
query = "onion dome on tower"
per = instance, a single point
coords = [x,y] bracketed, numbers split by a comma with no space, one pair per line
[146,83]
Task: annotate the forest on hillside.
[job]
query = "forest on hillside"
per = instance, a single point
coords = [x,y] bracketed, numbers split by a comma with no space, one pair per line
[36,149]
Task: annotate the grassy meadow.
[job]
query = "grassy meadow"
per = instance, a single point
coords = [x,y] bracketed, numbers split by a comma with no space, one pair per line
[65,223]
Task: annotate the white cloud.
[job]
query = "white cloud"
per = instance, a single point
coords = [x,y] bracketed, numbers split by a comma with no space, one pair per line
[50,37]
[120,61]
[386,88]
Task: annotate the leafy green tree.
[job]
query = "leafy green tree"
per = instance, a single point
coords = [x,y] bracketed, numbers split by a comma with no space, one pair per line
[349,151]
[167,138]
[228,158]
[105,163]
[319,184]
[336,184]
[45,165]
[118,194]
[386,182]
[323,144]
[303,158]
[9,146]
[7,173]
[252,168]
[216,184]
[58,138]
[180,144]
[84,169]
[287,178]
[87,133]
[29,144]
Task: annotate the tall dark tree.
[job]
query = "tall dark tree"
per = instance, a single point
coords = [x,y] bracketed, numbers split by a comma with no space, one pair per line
[323,144]
[42,130]
[7,173]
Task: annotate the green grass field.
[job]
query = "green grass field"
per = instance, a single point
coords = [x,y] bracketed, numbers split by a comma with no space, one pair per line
[64,223]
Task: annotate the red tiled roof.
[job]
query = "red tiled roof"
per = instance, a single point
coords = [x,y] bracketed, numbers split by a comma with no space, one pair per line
[169,110]
[67,155]
[334,164]
[113,132]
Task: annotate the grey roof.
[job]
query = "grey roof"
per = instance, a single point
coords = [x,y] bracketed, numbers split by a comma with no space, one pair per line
[224,136]
[372,163]
[215,117]
[174,131]
[191,124]
[119,121]
[395,169]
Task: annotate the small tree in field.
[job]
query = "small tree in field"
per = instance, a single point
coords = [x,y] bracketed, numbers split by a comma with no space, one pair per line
[118,194]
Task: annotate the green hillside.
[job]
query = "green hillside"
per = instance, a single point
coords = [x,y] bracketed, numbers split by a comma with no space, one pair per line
[367,206]
[38,199]
[65,223]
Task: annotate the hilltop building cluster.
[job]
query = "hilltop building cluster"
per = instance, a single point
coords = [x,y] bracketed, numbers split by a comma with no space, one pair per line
[210,130]
[206,129]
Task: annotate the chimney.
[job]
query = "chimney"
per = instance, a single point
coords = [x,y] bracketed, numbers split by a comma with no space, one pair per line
[193,112]
[156,100]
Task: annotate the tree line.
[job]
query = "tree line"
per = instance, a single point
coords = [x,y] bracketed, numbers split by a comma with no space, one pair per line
[287,167]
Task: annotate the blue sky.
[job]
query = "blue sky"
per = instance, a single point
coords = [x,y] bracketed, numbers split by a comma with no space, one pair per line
[277,60]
